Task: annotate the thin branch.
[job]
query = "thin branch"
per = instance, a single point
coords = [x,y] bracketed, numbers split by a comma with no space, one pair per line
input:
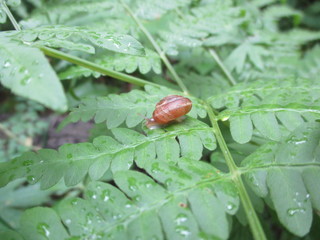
[95,67]
[157,48]
[252,217]
[9,14]
[216,57]
[14,137]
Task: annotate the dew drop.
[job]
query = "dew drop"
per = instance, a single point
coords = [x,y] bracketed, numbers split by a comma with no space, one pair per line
[69,155]
[74,202]
[105,196]
[89,217]
[181,218]
[297,140]
[168,182]
[230,206]
[225,118]
[7,64]
[307,197]
[292,211]
[68,221]
[137,198]
[43,229]
[31,178]
[132,187]
[116,216]
[183,231]
[132,183]
[155,168]
[94,196]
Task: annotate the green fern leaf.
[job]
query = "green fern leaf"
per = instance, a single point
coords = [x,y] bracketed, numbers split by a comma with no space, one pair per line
[210,24]
[292,102]
[295,163]
[27,73]
[61,36]
[108,212]
[205,86]
[117,62]
[279,54]
[310,64]
[9,234]
[151,10]
[129,107]
[75,13]
[13,198]
[73,161]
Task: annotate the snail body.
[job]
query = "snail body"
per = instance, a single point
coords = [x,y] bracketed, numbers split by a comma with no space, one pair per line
[170,108]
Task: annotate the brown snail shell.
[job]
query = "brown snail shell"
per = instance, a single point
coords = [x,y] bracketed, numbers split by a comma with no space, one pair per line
[169,109]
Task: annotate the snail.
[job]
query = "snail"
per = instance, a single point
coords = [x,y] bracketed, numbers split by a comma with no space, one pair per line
[170,108]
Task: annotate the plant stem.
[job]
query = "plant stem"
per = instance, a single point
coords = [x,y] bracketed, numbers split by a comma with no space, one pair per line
[157,48]
[84,63]
[216,57]
[9,14]
[252,217]
[81,62]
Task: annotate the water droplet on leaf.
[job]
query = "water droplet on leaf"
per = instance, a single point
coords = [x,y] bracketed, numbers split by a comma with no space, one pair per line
[181,218]
[183,231]
[7,64]
[43,229]
[31,178]
[293,211]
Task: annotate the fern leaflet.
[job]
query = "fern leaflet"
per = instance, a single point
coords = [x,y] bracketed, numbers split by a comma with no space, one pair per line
[73,161]
[291,101]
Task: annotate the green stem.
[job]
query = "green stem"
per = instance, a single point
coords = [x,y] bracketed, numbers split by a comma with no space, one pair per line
[157,48]
[81,62]
[252,217]
[9,14]
[84,63]
[216,57]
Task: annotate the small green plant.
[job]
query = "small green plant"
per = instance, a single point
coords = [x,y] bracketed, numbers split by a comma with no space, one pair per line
[244,164]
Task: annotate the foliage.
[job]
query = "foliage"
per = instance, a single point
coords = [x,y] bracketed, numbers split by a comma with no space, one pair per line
[243,164]
[23,127]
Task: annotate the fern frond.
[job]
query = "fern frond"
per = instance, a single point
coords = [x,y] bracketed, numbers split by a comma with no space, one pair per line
[26,72]
[310,65]
[205,86]
[117,62]
[75,13]
[13,198]
[128,107]
[64,37]
[207,25]
[295,163]
[194,201]
[73,161]
[292,102]
[151,10]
